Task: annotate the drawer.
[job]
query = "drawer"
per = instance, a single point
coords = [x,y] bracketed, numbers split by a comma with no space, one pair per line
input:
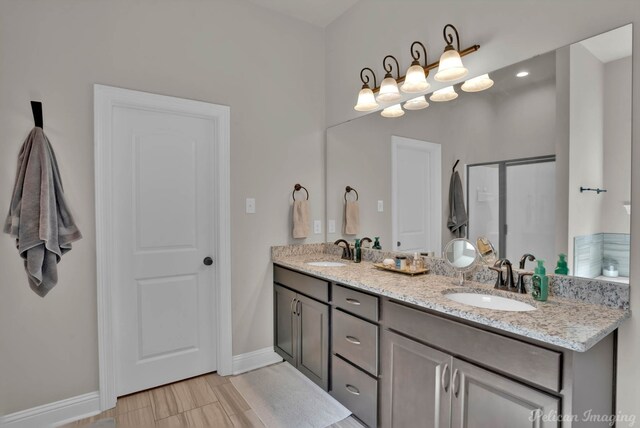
[528,362]
[355,340]
[356,390]
[305,284]
[361,304]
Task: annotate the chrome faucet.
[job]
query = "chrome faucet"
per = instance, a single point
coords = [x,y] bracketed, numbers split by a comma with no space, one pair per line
[346,250]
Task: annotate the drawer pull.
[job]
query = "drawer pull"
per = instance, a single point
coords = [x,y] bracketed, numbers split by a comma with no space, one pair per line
[352,301]
[353,340]
[445,384]
[352,389]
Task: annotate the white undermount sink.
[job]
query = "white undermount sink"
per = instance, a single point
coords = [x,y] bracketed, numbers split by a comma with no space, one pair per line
[326,264]
[488,301]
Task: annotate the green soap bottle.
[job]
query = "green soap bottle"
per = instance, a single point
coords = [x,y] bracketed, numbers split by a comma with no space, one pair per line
[561,267]
[540,282]
[357,252]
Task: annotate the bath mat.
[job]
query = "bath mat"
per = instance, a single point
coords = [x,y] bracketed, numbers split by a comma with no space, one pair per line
[282,397]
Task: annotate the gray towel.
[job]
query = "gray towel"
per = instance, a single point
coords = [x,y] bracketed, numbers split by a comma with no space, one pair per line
[39,218]
[458,219]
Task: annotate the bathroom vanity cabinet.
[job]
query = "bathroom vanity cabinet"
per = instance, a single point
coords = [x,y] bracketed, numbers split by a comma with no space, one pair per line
[394,364]
[301,323]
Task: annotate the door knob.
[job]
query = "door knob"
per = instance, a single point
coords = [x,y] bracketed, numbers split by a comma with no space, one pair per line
[208,261]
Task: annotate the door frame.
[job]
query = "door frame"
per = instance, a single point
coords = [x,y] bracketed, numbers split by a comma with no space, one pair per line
[436,175]
[105,99]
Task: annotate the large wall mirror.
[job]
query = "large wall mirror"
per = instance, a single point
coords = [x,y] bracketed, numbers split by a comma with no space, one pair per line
[543,156]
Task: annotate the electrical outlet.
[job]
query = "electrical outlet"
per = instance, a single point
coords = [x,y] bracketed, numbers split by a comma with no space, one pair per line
[332,226]
[251,206]
[380,206]
[317,227]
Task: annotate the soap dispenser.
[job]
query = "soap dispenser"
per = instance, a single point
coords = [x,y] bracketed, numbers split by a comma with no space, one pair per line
[540,282]
[561,267]
[357,252]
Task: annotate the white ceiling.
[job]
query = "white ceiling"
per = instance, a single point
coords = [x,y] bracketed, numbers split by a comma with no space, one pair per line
[612,45]
[317,12]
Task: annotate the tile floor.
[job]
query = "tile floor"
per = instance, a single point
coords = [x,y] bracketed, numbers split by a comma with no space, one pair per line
[205,401]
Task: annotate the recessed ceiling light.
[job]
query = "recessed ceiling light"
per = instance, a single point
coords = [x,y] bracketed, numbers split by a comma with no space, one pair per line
[522,74]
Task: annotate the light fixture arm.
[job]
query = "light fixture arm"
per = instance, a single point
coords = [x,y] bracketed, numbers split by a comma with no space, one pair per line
[415,54]
[448,38]
[389,67]
[365,78]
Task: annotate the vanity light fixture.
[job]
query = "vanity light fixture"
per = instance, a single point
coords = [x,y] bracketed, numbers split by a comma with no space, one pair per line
[477,84]
[416,79]
[450,67]
[522,74]
[444,94]
[389,88]
[417,103]
[366,100]
[393,111]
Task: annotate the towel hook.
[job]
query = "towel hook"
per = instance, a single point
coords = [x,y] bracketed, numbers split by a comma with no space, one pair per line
[455,165]
[348,189]
[36,109]
[297,188]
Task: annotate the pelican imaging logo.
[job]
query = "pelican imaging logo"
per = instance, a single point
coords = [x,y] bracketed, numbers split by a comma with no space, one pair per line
[587,416]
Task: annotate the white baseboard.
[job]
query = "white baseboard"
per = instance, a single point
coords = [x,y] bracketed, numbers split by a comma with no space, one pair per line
[254,360]
[54,414]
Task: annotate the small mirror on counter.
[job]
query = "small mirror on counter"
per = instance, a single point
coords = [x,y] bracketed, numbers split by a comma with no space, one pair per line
[486,250]
[461,255]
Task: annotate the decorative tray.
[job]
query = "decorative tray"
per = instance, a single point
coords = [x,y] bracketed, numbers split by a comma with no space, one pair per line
[404,271]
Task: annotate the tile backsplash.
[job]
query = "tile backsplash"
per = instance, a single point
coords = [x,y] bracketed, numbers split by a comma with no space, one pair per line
[591,252]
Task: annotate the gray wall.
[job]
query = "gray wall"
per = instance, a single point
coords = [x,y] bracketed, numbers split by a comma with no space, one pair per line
[586,123]
[508,32]
[617,133]
[498,124]
[268,68]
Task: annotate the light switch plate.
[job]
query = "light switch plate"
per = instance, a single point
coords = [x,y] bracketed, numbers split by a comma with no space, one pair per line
[380,206]
[332,226]
[251,206]
[317,227]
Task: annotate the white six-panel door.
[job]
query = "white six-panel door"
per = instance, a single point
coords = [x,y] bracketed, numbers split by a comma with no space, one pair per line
[163,186]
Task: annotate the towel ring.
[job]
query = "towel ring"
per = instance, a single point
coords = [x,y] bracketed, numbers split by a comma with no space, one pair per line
[297,188]
[348,189]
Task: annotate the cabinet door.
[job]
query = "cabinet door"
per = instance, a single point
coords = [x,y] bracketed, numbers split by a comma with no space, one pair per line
[285,323]
[483,399]
[313,340]
[415,384]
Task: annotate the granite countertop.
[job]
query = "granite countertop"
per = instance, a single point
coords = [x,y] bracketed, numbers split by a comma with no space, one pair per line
[570,324]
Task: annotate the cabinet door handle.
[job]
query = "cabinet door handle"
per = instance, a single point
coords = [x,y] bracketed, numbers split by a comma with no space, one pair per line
[352,301]
[445,378]
[291,306]
[456,383]
[353,340]
[352,389]
[298,305]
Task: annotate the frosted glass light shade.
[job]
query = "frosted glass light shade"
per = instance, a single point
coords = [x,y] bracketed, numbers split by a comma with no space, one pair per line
[445,94]
[415,81]
[393,111]
[389,91]
[477,84]
[450,67]
[366,100]
[417,103]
